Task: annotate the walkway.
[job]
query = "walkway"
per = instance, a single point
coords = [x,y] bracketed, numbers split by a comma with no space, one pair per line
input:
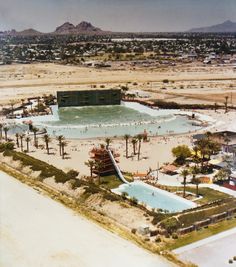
[212,251]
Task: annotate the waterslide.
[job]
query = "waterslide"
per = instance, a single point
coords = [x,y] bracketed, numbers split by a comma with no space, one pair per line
[120,175]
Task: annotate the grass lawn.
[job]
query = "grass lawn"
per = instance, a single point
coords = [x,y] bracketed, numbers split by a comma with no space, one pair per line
[201,234]
[208,194]
[112,181]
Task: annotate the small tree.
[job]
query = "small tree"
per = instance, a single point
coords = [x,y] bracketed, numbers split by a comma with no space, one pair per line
[139,139]
[99,165]
[63,145]
[222,175]
[226,104]
[1,127]
[108,141]
[134,142]
[5,129]
[47,140]
[21,141]
[181,153]
[17,140]
[184,174]
[35,130]
[90,164]
[60,138]
[126,137]
[27,139]
[72,174]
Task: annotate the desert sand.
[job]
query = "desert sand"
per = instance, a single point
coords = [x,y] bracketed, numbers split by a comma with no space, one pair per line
[191,83]
[30,220]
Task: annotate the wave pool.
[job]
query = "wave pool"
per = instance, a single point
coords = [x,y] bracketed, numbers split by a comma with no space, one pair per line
[110,121]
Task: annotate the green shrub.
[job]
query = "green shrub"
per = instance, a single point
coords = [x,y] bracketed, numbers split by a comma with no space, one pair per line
[175,236]
[124,195]
[46,169]
[6,146]
[170,224]
[134,200]
[72,174]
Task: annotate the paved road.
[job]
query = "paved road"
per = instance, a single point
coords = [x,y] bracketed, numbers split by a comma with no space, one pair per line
[37,231]
[213,251]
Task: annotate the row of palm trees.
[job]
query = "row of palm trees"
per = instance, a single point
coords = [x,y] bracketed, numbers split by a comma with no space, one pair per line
[194,171]
[136,140]
[46,138]
[4,129]
[95,165]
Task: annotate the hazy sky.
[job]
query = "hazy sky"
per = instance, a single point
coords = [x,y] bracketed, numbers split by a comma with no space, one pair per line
[116,15]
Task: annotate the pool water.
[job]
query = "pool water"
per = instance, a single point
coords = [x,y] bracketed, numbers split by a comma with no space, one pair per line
[110,121]
[154,197]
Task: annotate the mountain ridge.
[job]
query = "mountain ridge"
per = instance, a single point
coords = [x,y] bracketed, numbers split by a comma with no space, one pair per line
[226,26]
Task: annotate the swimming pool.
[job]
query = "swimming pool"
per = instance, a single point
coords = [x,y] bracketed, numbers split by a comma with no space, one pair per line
[154,197]
[110,121]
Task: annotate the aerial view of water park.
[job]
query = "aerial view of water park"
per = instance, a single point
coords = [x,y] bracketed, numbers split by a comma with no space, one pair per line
[118,148]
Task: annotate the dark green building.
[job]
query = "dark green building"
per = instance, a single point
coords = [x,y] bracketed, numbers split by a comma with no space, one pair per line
[89,98]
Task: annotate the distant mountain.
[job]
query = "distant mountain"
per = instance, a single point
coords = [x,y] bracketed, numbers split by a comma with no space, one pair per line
[83,27]
[227,26]
[28,32]
[65,28]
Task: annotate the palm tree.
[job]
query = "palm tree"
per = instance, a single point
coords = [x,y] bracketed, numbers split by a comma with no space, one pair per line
[209,135]
[60,138]
[12,103]
[47,140]
[134,142]
[140,138]
[35,130]
[90,164]
[226,104]
[21,141]
[38,101]
[184,174]
[1,127]
[17,140]
[5,129]
[126,137]
[63,145]
[27,139]
[215,106]
[195,180]
[108,141]
[99,165]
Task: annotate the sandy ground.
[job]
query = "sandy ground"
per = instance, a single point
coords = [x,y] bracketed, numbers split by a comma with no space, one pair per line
[220,248]
[157,151]
[194,83]
[37,231]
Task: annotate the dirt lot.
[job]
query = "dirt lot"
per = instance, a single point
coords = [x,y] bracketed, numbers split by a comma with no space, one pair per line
[187,83]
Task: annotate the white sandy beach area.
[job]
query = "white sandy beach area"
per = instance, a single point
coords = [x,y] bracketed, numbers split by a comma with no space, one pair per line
[37,231]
